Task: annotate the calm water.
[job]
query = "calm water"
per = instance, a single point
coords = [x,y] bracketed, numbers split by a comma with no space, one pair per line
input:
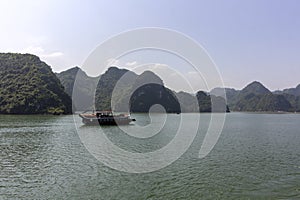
[256,157]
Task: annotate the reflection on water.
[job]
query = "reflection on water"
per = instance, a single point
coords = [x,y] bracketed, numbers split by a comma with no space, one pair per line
[257,155]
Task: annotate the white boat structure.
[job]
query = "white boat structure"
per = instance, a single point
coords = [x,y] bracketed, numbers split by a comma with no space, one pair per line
[105,118]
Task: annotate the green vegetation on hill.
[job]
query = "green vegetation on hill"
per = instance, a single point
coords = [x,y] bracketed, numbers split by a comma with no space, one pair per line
[254,97]
[211,103]
[151,94]
[255,88]
[257,98]
[122,90]
[105,87]
[83,96]
[135,93]
[188,102]
[204,101]
[289,91]
[266,102]
[294,101]
[148,90]
[67,79]
[28,86]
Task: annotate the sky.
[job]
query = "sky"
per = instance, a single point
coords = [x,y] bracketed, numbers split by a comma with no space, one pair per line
[248,40]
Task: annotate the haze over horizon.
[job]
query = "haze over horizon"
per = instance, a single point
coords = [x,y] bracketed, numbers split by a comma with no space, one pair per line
[248,40]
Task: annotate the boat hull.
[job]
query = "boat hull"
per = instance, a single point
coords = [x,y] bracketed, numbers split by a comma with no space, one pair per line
[105,121]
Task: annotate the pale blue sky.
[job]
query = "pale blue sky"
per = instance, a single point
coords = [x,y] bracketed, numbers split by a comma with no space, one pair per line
[248,40]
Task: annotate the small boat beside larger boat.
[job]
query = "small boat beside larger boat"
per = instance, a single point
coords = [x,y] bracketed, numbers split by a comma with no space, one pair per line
[105,118]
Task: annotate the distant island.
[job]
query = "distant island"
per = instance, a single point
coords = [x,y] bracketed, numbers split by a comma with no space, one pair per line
[136,93]
[28,86]
[255,97]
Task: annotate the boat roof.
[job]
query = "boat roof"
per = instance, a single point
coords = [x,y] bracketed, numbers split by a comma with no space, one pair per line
[103,111]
